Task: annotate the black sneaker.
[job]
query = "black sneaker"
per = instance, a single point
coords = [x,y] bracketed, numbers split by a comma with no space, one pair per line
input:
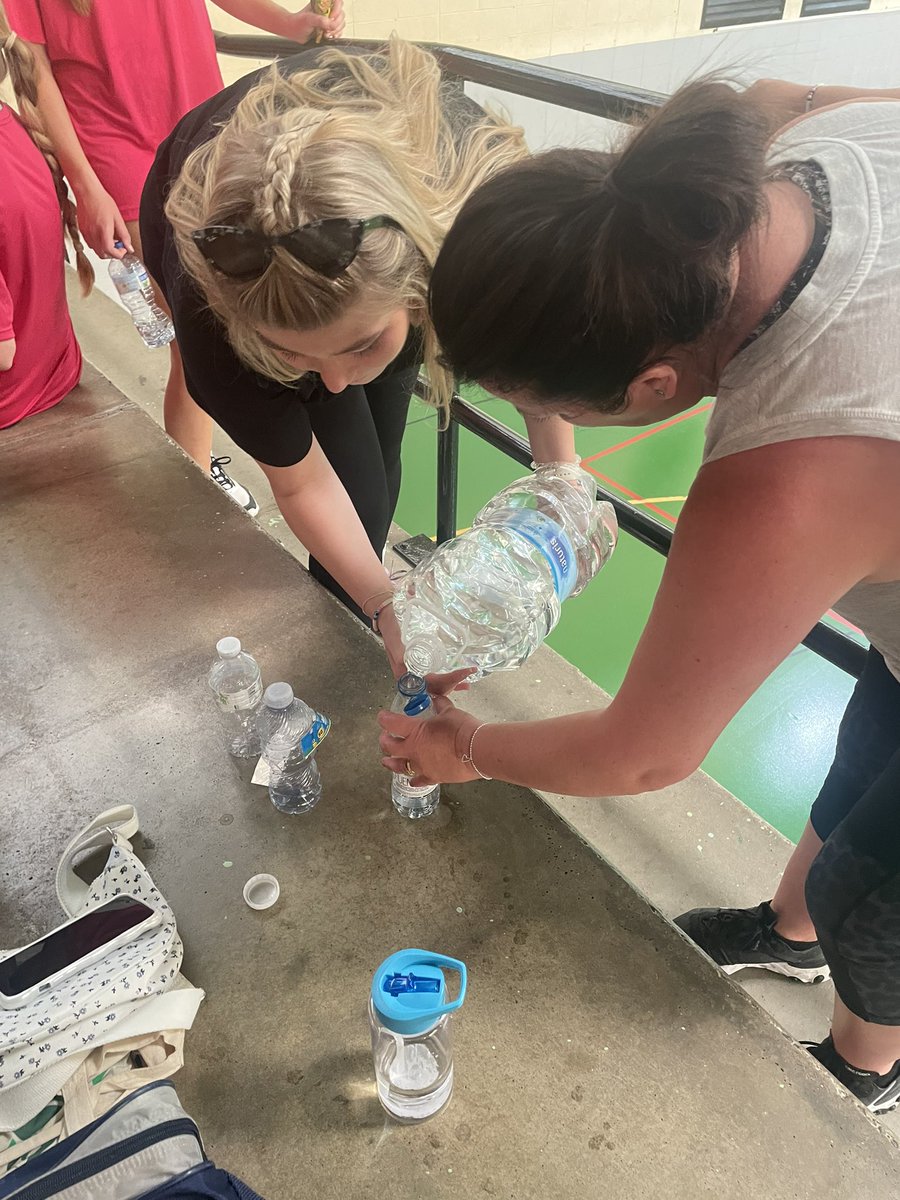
[233,490]
[735,938]
[879,1093]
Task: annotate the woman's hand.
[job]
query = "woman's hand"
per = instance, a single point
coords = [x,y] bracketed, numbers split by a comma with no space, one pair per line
[431,751]
[101,223]
[302,26]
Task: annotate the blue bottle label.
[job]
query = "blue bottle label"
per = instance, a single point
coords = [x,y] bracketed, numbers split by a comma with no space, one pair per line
[553,542]
[316,735]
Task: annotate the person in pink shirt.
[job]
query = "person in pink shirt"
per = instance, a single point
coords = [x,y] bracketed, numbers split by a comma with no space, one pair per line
[40,361]
[114,78]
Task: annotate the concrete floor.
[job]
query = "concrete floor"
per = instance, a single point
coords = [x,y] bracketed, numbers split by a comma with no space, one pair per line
[597,1053]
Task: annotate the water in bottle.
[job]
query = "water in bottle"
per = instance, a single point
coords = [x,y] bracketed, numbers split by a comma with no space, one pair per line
[236,683]
[410,1020]
[413,700]
[488,598]
[136,292]
[291,732]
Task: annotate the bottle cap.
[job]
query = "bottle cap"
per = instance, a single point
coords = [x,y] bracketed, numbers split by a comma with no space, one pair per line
[409,992]
[120,245]
[261,891]
[417,704]
[278,695]
[228,647]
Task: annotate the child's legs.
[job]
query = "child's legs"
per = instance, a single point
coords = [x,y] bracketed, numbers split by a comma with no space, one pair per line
[186,423]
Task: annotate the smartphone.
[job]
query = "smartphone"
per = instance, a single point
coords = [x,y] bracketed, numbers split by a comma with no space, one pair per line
[47,962]
[414,549]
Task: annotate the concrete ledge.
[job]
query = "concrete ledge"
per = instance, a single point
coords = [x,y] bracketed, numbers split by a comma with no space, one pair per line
[691,844]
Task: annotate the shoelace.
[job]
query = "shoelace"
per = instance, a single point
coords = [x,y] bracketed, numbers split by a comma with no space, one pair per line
[750,928]
[218,472]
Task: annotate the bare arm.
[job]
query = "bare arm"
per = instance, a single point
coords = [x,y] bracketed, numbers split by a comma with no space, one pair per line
[318,510]
[785,102]
[7,354]
[767,542]
[552,439]
[99,218]
[298,26]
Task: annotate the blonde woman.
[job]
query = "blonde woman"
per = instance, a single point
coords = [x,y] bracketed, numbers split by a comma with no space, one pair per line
[40,362]
[292,222]
[112,79]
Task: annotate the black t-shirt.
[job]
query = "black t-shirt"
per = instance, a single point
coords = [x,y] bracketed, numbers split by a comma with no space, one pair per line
[266,419]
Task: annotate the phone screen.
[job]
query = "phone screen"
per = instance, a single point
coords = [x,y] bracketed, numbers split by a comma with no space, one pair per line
[66,946]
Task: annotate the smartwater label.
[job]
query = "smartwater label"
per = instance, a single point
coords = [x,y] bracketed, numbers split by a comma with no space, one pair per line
[240,701]
[553,542]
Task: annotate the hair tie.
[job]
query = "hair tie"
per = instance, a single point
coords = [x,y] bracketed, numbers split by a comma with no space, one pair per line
[10,41]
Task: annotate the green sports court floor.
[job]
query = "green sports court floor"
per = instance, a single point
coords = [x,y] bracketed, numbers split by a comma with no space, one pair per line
[775,753]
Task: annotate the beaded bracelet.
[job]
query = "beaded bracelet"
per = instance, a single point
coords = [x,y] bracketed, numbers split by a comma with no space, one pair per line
[810,96]
[469,760]
[377,613]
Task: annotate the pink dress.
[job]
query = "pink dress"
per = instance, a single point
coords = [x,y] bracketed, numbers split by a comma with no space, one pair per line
[33,306]
[128,73]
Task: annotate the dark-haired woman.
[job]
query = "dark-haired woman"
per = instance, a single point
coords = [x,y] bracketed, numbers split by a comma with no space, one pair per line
[704,259]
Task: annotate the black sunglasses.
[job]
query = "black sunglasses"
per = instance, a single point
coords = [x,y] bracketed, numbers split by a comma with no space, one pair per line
[328,247]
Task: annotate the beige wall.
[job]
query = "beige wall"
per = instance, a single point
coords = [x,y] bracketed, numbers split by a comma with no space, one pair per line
[520,28]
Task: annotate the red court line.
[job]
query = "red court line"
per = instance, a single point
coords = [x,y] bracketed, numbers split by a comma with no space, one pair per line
[639,437]
[843,621]
[620,487]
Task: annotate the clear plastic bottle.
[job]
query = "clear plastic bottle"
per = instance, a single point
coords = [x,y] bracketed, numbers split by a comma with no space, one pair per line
[413,700]
[236,682]
[488,598]
[136,292]
[412,1044]
[290,732]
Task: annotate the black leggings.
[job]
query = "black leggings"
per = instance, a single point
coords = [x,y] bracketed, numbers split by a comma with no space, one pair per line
[360,431]
[853,887]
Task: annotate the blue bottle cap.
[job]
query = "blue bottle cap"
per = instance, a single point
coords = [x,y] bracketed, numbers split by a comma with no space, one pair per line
[409,992]
[416,705]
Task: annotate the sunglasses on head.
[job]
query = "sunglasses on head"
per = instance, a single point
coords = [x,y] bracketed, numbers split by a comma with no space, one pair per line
[327,247]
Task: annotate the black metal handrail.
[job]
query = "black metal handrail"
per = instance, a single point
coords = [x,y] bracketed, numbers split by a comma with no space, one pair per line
[599,98]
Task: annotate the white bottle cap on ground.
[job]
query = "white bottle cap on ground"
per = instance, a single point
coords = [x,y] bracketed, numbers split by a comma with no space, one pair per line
[261,891]
[228,647]
[278,695]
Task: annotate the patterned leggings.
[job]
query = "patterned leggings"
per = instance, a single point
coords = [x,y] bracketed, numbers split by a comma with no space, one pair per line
[853,886]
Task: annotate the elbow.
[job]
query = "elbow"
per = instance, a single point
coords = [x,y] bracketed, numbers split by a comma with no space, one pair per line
[657,771]
[7,354]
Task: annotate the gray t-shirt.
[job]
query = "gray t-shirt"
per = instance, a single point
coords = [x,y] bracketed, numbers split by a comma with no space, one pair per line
[828,367]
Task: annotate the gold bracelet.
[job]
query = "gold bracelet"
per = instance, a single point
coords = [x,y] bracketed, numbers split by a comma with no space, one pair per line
[469,760]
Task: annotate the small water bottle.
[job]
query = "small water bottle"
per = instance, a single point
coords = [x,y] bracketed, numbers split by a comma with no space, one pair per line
[136,292]
[291,732]
[413,700]
[410,1019]
[236,682]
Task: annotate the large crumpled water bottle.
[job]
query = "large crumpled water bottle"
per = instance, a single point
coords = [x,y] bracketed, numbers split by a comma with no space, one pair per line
[488,598]
[410,1020]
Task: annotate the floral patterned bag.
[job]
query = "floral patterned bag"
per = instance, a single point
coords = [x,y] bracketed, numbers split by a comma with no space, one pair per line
[87,1010]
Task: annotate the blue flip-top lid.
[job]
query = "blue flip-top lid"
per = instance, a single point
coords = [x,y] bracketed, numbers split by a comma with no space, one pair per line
[409,991]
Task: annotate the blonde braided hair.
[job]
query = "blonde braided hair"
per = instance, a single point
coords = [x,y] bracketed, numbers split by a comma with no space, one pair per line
[358,136]
[17,61]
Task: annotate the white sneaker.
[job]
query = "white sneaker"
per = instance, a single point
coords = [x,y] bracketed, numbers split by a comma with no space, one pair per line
[232,489]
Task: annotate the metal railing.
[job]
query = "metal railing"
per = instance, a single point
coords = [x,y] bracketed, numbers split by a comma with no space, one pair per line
[599,98]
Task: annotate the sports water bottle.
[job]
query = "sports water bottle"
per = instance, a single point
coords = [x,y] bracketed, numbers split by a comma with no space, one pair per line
[236,682]
[413,700]
[136,292]
[291,732]
[409,1016]
[488,598]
